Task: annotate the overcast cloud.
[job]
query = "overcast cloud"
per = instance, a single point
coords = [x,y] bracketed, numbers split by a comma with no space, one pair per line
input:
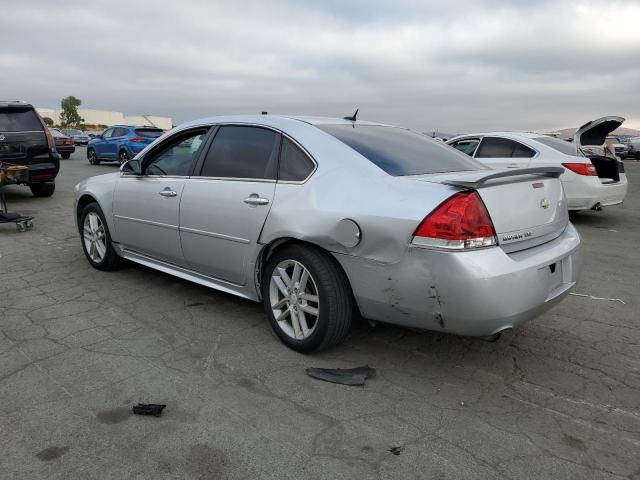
[453,65]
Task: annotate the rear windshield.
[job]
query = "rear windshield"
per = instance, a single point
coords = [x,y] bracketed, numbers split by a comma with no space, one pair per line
[73,132]
[19,120]
[148,132]
[401,152]
[57,133]
[557,144]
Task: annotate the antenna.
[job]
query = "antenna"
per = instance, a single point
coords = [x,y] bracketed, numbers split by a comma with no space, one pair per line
[353,117]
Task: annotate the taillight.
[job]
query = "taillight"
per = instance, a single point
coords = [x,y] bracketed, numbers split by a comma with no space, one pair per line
[458,223]
[138,139]
[51,144]
[582,168]
[71,141]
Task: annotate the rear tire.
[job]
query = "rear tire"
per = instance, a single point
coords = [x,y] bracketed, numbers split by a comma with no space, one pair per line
[123,156]
[42,189]
[94,227]
[66,156]
[92,156]
[321,287]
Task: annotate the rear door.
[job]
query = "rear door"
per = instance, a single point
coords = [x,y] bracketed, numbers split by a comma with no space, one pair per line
[224,206]
[501,152]
[147,206]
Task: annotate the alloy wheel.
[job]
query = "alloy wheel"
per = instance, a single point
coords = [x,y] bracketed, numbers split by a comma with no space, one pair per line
[94,237]
[293,296]
[123,156]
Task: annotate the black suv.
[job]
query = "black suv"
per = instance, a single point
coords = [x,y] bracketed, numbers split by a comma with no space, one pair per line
[25,140]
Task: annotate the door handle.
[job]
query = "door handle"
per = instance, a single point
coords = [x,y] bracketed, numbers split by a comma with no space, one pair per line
[513,165]
[254,200]
[167,192]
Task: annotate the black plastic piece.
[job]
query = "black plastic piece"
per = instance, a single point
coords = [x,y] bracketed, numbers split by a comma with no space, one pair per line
[344,376]
[148,409]
[353,117]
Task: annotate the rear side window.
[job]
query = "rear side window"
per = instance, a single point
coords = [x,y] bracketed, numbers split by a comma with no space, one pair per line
[560,145]
[295,165]
[497,147]
[242,152]
[19,120]
[120,132]
[401,152]
[148,132]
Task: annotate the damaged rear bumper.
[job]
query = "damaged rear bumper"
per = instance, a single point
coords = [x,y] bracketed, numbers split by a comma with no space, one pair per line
[474,293]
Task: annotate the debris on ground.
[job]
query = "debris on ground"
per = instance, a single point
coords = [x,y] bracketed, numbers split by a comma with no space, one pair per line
[344,376]
[396,450]
[148,409]
[597,298]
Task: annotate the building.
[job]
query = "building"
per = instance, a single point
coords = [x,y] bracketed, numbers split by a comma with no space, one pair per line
[109,118]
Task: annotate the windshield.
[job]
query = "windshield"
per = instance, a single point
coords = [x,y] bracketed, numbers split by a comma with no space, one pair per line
[149,132]
[559,145]
[401,152]
[19,120]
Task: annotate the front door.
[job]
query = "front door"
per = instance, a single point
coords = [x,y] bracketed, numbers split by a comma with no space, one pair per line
[225,206]
[147,206]
[102,145]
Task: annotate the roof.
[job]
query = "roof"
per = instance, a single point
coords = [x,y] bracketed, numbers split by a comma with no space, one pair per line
[14,103]
[502,134]
[277,121]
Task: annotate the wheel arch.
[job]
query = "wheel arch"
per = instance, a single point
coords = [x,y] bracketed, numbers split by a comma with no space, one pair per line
[82,202]
[277,244]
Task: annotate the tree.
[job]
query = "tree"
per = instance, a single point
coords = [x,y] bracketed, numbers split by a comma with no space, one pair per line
[69,116]
[48,122]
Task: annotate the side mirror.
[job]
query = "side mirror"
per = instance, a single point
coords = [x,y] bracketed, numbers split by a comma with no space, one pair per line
[132,167]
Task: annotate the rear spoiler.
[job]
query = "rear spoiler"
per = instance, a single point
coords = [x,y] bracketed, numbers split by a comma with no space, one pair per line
[476,179]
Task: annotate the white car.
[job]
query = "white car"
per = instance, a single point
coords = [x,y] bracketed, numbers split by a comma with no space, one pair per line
[589,181]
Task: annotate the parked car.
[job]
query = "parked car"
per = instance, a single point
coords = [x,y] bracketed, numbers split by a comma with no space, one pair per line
[26,140]
[79,137]
[65,145]
[622,149]
[590,182]
[634,147]
[312,216]
[120,143]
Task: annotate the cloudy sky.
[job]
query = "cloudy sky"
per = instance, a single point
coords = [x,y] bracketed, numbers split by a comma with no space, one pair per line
[450,65]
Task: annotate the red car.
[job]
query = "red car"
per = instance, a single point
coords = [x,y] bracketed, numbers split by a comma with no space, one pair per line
[64,145]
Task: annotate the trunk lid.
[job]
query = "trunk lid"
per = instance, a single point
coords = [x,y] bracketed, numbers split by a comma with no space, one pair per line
[596,131]
[527,205]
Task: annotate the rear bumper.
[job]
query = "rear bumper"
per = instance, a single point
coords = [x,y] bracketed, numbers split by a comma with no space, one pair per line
[473,293]
[66,149]
[586,192]
[45,171]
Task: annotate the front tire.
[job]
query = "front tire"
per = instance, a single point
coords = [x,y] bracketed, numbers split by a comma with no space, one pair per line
[96,240]
[307,298]
[42,189]
[92,156]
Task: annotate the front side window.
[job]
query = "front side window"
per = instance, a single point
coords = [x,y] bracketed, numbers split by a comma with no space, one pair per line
[108,133]
[295,165]
[498,147]
[242,152]
[466,145]
[176,155]
[400,152]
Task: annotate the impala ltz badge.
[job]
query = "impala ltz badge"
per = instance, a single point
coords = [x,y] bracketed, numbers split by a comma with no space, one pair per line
[545,203]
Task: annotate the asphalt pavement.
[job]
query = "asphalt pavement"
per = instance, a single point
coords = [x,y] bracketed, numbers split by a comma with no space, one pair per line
[558,398]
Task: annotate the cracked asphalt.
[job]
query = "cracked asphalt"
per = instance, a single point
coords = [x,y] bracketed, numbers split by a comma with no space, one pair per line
[559,398]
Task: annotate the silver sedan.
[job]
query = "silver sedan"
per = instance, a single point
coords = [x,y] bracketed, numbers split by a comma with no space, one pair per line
[320,219]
